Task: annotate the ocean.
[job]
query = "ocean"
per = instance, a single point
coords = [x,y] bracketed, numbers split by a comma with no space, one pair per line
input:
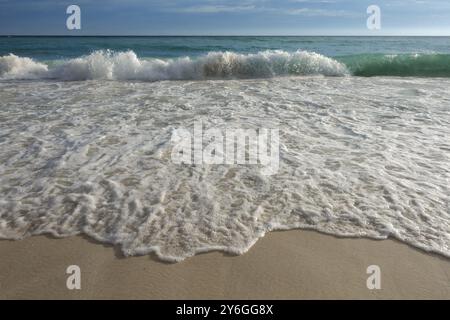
[187,58]
[88,126]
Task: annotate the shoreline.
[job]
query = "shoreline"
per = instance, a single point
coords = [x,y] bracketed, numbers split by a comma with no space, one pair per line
[296,264]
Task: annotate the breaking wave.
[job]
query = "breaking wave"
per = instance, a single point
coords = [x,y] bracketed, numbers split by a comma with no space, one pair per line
[403,65]
[126,65]
[108,65]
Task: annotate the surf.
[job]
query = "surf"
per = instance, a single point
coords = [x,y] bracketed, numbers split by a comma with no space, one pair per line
[110,65]
[126,65]
[400,65]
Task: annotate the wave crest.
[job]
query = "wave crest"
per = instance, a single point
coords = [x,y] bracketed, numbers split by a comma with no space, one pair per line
[402,65]
[14,67]
[108,65]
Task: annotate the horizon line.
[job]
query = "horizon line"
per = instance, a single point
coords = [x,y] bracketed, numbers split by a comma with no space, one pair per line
[213,35]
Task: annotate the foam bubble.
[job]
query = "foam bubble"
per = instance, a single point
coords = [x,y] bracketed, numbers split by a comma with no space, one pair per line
[359,157]
[108,65]
[14,67]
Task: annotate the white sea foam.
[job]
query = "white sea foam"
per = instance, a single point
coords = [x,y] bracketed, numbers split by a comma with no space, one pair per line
[359,157]
[14,67]
[109,65]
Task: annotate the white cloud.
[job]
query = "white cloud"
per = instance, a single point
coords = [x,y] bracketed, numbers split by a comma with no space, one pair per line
[215,9]
[252,6]
[319,12]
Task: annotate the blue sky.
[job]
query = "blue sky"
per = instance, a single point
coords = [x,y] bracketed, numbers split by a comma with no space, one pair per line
[225,17]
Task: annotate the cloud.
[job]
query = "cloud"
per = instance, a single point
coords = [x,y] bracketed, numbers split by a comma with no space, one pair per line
[214,9]
[320,12]
[313,1]
[290,7]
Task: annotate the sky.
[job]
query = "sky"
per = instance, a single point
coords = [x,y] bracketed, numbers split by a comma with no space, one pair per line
[225,17]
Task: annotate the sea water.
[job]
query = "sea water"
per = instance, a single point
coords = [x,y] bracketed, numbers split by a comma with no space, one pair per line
[86,128]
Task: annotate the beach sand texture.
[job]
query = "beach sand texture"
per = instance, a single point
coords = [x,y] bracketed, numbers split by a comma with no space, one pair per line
[283,265]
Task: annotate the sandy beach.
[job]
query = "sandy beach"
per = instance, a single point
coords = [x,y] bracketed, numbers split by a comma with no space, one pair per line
[283,265]
[225,150]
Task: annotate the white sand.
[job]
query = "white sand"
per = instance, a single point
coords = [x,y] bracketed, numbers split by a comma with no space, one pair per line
[283,265]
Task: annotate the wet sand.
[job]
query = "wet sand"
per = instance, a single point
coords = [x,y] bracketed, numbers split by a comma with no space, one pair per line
[294,264]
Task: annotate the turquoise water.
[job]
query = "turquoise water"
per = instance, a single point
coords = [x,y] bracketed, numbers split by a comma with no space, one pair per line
[252,56]
[359,156]
[51,48]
